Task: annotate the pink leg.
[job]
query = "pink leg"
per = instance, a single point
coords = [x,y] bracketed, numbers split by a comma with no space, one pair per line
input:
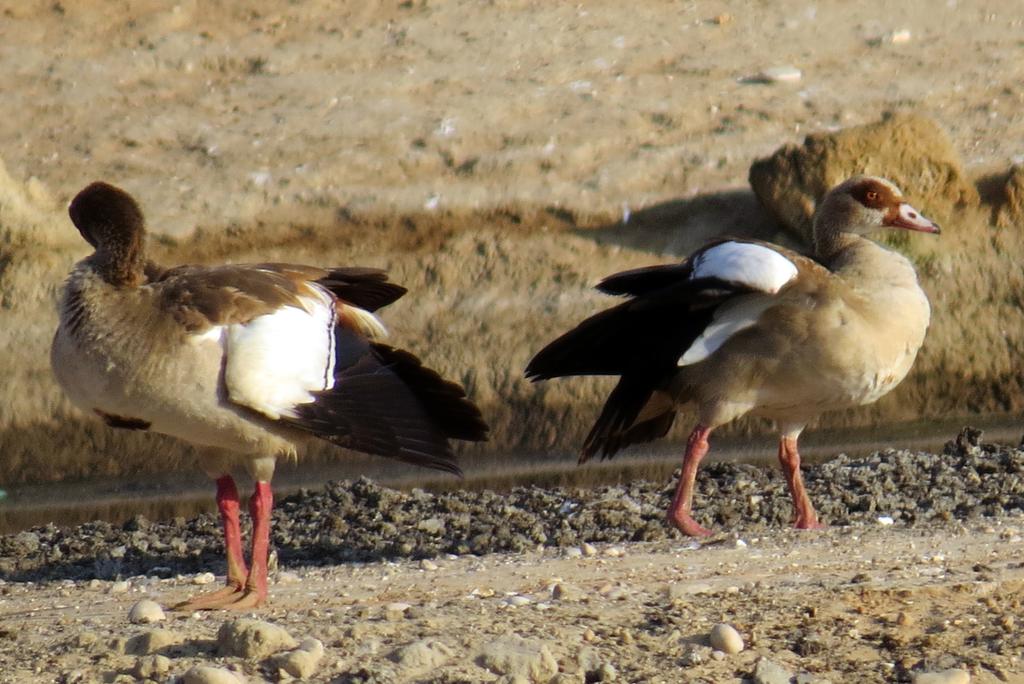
[682,503]
[228,504]
[789,457]
[260,506]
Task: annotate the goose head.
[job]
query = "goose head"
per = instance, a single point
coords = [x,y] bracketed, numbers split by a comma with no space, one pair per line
[111,221]
[865,204]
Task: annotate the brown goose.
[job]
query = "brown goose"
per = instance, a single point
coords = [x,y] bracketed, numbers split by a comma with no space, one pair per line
[744,327]
[247,362]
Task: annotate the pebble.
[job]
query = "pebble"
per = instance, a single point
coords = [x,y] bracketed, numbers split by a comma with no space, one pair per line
[769,672]
[725,638]
[615,552]
[204,578]
[952,676]
[145,612]
[780,74]
[205,674]
[120,587]
[151,667]
[248,638]
[515,656]
[395,611]
[885,520]
[588,549]
[517,601]
[421,656]
[146,643]
[566,592]
[303,661]
[427,564]
[572,552]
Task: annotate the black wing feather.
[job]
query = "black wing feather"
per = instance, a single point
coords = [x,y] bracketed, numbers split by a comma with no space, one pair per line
[385,402]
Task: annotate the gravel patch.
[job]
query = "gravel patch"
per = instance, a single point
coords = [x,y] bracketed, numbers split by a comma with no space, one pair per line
[360,521]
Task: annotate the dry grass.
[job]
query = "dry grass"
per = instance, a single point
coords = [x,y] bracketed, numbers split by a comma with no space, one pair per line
[487,290]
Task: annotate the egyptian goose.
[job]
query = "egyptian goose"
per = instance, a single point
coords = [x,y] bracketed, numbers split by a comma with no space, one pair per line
[745,327]
[247,362]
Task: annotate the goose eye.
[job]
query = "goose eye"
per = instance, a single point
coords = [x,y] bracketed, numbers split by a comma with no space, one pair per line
[872,196]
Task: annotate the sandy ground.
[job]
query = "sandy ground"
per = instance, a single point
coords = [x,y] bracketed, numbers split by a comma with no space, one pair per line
[860,604]
[444,140]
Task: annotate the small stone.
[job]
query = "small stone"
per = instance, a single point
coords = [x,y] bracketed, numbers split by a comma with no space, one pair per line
[904,619]
[573,552]
[431,526]
[303,661]
[898,37]
[615,552]
[205,674]
[768,672]
[885,520]
[120,587]
[740,544]
[566,592]
[247,638]
[288,577]
[952,676]
[695,654]
[395,611]
[151,640]
[422,655]
[725,638]
[515,656]
[517,601]
[145,612]
[428,564]
[151,667]
[722,19]
[588,635]
[780,74]
[588,549]
[204,578]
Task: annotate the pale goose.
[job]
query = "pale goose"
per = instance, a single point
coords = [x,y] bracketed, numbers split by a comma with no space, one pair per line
[744,327]
[247,362]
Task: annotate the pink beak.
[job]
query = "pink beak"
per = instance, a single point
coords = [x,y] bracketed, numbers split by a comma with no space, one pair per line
[911,219]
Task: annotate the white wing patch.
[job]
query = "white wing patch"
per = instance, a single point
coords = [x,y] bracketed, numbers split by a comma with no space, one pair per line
[729,319]
[275,361]
[748,264]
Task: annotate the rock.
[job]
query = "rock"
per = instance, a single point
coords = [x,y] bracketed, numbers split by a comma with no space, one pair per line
[517,601]
[120,587]
[768,672]
[152,640]
[953,676]
[431,526]
[204,578]
[151,667]
[247,638]
[205,674]
[428,564]
[780,74]
[566,592]
[303,661]
[588,549]
[515,656]
[145,612]
[395,611]
[910,150]
[420,656]
[725,638]
[1010,210]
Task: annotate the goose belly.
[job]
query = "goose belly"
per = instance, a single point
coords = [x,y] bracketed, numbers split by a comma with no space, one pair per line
[179,394]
